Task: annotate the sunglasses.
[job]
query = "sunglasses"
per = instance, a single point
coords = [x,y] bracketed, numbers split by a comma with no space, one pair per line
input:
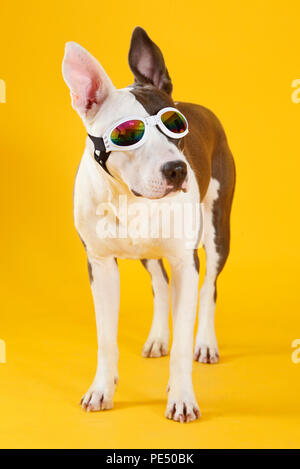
[132,132]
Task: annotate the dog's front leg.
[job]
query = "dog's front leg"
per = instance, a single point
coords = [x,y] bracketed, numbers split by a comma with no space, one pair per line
[105,284]
[182,405]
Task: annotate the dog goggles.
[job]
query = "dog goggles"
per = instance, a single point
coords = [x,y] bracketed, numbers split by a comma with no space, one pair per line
[132,132]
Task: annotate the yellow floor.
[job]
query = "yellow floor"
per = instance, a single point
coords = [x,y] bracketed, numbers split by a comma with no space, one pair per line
[250,399]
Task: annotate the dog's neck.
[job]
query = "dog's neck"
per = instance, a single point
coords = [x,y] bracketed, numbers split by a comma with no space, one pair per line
[105,187]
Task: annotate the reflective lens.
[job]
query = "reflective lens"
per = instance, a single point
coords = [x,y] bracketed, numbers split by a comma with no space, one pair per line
[128,133]
[174,122]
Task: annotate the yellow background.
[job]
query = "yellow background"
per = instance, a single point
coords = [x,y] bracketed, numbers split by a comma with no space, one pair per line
[237,58]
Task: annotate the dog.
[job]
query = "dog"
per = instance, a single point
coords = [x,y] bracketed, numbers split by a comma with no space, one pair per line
[152,151]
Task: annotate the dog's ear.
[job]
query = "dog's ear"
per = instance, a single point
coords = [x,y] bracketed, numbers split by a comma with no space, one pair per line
[147,62]
[88,82]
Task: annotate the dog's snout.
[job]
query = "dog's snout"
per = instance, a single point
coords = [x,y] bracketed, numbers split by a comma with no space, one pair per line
[175,172]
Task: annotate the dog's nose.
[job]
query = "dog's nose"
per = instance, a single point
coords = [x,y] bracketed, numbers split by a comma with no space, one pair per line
[175,172]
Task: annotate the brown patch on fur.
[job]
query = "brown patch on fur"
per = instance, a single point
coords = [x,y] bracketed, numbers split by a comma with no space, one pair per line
[144,262]
[164,272]
[208,154]
[223,169]
[196,261]
[204,132]
[151,98]
[206,149]
[160,262]
[90,272]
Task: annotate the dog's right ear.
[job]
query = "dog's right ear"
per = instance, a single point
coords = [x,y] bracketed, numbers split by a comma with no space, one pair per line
[87,80]
[147,62]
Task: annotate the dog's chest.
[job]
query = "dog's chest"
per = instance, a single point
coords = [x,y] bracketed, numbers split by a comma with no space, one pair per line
[125,226]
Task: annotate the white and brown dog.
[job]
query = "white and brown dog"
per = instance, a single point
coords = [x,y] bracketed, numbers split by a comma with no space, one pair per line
[165,172]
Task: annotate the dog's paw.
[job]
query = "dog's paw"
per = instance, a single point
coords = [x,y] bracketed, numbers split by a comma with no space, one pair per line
[206,354]
[155,347]
[183,409]
[96,399]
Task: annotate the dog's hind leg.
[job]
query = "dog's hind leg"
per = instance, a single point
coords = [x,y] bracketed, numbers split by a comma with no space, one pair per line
[158,340]
[217,207]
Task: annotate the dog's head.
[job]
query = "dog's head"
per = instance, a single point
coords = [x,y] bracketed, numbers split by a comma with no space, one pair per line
[156,168]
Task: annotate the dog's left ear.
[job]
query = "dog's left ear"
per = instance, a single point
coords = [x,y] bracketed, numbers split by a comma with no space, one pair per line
[89,84]
[147,62]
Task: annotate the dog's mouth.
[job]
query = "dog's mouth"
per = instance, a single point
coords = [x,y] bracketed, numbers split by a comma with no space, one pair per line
[170,190]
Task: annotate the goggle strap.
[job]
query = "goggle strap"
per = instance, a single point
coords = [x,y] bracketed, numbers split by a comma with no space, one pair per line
[100,153]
